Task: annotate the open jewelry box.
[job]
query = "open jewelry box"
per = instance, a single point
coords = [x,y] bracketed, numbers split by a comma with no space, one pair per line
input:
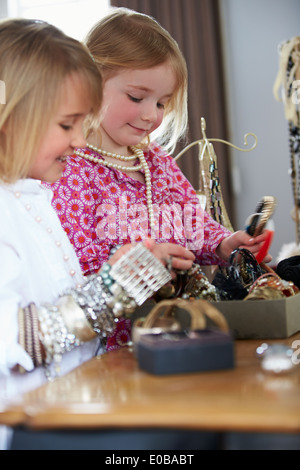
[265,319]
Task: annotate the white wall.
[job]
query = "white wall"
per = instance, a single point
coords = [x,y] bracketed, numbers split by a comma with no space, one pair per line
[74,17]
[252,31]
[3,9]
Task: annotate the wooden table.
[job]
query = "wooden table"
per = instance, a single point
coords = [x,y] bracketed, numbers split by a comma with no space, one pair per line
[111,391]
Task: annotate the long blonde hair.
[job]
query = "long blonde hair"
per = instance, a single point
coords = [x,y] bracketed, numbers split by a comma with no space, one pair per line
[125,39]
[35,58]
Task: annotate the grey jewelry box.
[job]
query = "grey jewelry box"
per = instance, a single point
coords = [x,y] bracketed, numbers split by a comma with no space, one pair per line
[185,352]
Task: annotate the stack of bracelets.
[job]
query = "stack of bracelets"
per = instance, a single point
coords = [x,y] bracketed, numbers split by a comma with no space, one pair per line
[269,286]
[48,331]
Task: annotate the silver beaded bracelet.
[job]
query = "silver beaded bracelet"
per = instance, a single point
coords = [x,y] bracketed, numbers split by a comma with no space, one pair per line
[140,273]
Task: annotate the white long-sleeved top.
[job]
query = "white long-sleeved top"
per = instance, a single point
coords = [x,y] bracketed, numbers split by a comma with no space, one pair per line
[37,264]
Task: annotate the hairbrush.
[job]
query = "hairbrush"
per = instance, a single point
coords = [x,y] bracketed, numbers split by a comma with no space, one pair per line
[260,220]
[257,221]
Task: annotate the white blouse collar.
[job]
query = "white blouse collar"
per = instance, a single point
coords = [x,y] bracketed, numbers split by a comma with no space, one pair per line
[31,187]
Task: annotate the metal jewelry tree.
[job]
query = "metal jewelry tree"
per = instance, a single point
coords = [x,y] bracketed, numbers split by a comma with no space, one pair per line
[209,191]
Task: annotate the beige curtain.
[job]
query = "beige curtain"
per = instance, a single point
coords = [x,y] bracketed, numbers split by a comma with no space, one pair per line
[195,26]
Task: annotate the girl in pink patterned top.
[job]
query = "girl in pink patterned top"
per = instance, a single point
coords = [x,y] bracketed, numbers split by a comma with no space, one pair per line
[123,186]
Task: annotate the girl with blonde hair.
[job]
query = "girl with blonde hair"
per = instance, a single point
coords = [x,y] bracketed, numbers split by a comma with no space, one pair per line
[124,185]
[127,40]
[51,317]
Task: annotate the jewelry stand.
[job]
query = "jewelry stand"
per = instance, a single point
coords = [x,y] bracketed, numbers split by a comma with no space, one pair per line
[210,192]
[288,79]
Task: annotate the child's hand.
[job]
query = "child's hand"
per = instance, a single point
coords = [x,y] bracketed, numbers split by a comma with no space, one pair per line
[176,256]
[241,239]
[169,254]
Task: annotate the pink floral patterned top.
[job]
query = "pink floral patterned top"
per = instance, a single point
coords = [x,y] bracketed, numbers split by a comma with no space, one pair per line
[100,207]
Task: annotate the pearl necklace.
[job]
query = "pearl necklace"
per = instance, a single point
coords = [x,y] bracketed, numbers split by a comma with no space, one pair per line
[137,154]
[113,155]
[39,220]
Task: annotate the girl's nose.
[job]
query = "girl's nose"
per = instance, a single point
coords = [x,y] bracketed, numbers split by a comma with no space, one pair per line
[78,139]
[149,112]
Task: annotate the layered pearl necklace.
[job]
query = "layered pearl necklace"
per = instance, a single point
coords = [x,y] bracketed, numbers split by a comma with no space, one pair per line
[47,228]
[137,154]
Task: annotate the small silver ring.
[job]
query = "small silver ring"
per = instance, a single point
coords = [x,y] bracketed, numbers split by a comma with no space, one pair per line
[169,262]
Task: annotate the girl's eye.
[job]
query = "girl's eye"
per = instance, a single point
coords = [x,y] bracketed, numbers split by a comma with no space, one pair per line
[66,127]
[135,100]
[160,106]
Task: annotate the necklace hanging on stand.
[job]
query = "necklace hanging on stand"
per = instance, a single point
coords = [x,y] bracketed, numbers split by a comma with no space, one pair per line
[287,81]
[138,154]
[292,73]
